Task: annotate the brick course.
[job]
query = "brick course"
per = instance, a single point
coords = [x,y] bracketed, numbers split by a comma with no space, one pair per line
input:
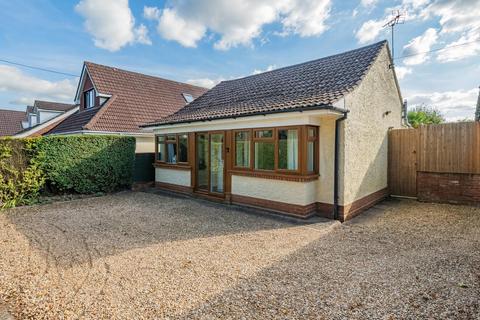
[458,188]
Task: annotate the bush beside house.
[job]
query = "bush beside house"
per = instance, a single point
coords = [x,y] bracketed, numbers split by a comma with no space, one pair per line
[63,164]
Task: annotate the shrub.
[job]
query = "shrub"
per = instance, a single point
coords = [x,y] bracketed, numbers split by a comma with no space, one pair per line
[21,176]
[86,163]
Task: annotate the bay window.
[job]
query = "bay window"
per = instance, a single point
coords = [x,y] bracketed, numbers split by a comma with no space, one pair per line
[283,150]
[172,148]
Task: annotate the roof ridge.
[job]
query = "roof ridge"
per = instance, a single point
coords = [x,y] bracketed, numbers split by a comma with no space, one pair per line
[383,42]
[70,104]
[10,110]
[143,74]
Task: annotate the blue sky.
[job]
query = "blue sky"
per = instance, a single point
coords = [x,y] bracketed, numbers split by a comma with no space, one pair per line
[203,42]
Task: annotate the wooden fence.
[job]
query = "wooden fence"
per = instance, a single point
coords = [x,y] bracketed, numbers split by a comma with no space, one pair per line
[452,148]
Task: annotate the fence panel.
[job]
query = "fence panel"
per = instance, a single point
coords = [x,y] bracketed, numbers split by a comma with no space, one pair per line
[451,147]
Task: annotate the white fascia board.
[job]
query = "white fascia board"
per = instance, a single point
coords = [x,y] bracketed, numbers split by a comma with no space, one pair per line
[46,123]
[311,117]
[80,83]
[116,133]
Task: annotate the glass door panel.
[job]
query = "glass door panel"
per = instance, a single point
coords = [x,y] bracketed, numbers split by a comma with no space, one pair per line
[202,161]
[216,162]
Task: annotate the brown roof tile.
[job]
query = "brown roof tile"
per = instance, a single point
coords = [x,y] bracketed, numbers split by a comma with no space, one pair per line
[11,122]
[136,99]
[314,84]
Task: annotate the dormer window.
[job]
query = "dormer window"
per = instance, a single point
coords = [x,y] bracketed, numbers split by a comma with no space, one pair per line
[188,97]
[89,98]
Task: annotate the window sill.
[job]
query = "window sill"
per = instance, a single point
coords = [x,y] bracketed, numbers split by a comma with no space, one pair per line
[275,175]
[180,166]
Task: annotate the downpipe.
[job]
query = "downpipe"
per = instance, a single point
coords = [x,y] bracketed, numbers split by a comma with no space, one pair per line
[337,165]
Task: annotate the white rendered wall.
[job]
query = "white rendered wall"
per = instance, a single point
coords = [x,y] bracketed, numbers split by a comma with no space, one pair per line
[173,176]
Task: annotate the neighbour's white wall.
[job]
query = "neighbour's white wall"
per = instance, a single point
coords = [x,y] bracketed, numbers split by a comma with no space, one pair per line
[299,193]
[375,106]
[173,176]
[145,144]
[47,115]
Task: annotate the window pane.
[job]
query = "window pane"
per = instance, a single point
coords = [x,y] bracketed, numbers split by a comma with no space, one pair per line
[264,134]
[161,148]
[242,149]
[310,156]
[288,149]
[264,155]
[183,148]
[171,152]
[312,132]
[171,138]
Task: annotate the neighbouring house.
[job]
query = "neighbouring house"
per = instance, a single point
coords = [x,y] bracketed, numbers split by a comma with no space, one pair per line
[36,120]
[10,122]
[43,116]
[301,140]
[115,101]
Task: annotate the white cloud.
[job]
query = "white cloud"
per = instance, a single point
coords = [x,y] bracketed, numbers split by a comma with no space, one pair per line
[457,18]
[237,22]
[456,51]
[28,88]
[151,13]
[368,3]
[369,31]
[417,46]
[454,105]
[111,23]
[402,72]
[269,68]
[205,82]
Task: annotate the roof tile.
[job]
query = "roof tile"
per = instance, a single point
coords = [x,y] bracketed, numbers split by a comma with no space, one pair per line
[317,83]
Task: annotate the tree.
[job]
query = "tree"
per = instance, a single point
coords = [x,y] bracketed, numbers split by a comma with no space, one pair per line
[424,115]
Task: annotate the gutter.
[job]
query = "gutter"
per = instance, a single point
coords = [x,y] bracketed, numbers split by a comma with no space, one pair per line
[337,165]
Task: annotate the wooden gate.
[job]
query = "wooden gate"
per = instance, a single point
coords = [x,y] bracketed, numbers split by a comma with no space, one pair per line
[402,162]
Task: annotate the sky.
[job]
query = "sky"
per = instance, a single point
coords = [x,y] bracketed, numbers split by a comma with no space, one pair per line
[203,42]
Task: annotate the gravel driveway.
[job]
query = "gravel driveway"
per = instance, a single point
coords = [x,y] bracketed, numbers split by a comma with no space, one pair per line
[139,255]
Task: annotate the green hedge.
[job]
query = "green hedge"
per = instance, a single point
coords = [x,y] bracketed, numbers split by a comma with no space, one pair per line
[87,163]
[21,175]
[63,164]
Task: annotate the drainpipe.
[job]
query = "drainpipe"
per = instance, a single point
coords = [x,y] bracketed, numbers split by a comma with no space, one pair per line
[336,165]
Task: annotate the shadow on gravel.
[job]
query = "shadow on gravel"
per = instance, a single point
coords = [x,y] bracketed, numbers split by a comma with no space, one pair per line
[389,263]
[80,231]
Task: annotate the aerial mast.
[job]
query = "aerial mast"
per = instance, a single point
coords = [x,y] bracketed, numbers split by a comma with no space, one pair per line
[397,18]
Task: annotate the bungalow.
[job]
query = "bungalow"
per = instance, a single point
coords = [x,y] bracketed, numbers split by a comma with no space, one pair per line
[301,140]
[115,101]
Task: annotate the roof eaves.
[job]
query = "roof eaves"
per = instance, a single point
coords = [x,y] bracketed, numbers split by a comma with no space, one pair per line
[300,109]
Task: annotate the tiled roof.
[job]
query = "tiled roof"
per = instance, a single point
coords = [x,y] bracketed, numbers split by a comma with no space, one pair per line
[76,122]
[56,106]
[11,122]
[314,84]
[136,99]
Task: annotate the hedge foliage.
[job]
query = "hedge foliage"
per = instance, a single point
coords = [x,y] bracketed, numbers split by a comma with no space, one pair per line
[84,164]
[21,174]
